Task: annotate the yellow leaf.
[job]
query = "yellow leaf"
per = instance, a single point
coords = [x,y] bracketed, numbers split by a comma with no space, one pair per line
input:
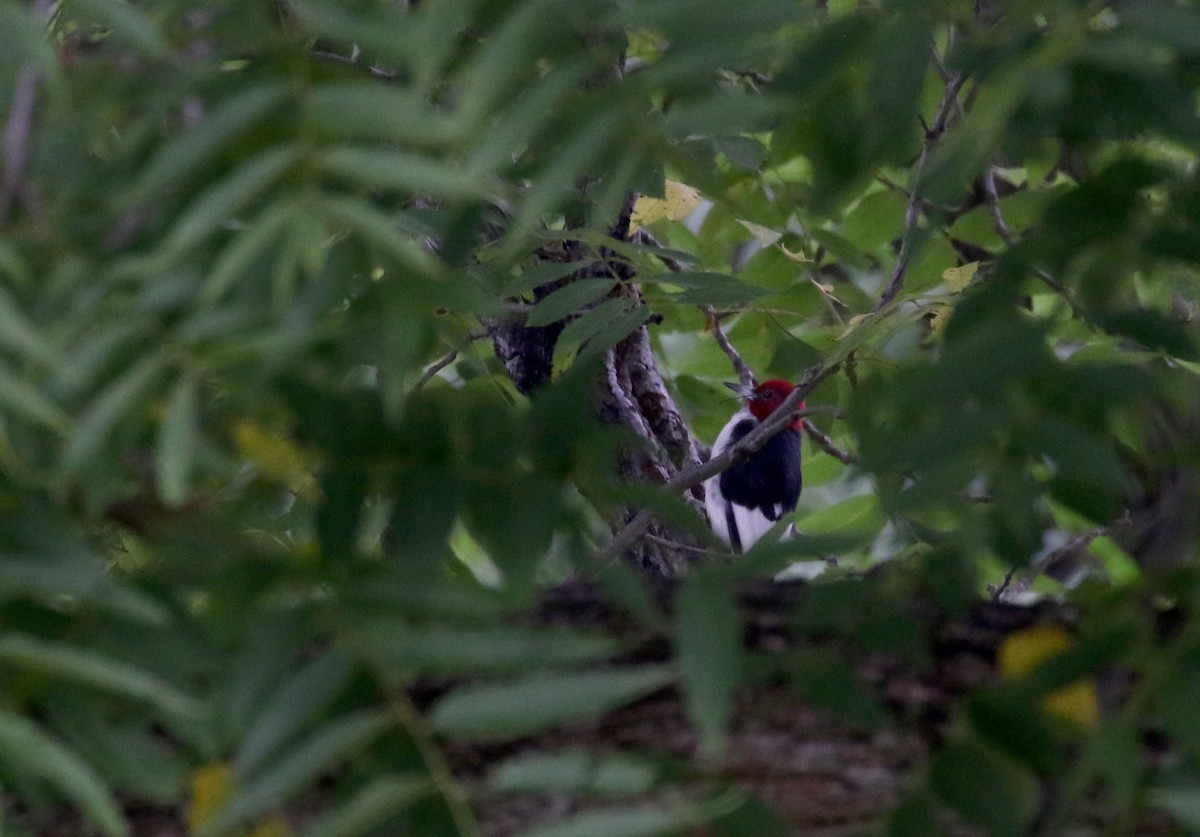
[274,826]
[646,210]
[278,457]
[958,278]
[681,200]
[212,785]
[1023,651]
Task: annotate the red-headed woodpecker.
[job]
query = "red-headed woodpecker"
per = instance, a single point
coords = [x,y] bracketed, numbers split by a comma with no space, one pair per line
[751,496]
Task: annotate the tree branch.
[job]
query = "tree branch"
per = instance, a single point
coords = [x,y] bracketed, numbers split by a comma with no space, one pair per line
[993,200]
[692,477]
[826,444]
[450,357]
[19,126]
[649,391]
[912,213]
[1006,234]
[713,326]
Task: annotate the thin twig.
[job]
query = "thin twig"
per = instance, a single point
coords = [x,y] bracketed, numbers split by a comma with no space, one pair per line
[692,477]
[16,139]
[19,126]
[739,366]
[1006,234]
[826,444]
[1077,542]
[670,544]
[912,213]
[450,357]
[713,324]
[378,72]
[993,199]
[1056,554]
[645,238]
[997,592]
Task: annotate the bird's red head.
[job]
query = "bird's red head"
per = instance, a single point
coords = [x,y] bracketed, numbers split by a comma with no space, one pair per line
[765,398]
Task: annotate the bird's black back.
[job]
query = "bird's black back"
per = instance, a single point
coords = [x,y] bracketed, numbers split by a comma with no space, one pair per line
[769,479]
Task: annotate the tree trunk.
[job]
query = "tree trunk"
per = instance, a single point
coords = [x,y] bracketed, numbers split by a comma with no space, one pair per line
[630,391]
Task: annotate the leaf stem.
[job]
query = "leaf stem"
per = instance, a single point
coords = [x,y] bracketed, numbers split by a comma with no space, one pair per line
[912,213]
[422,735]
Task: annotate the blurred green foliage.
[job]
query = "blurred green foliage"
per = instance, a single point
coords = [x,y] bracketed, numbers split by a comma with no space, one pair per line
[235,236]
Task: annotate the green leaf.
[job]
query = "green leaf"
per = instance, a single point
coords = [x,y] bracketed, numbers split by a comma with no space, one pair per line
[22,38]
[371,111]
[23,398]
[454,649]
[567,300]
[297,703]
[540,274]
[916,816]
[612,333]
[497,67]
[377,228]
[64,568]
[137,759]
[405,172]
[25,748]
[370,807]
[1182,803]
[831,683]
[127,23]
[187,155]
[107,409]
[644,821]
[383,30]
[1176,26]
[584,328]
[298,768]
[249,244]
[574,771]
[91,668]
[518,707]
[220,203]
[985,789]
[11,261]
[176,440]
[19,335]
[705,288]
[708,641]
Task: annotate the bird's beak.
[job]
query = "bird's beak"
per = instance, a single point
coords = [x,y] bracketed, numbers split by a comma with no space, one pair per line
[741,389]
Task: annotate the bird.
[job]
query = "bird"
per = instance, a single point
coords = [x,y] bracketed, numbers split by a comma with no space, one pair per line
[749,497]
